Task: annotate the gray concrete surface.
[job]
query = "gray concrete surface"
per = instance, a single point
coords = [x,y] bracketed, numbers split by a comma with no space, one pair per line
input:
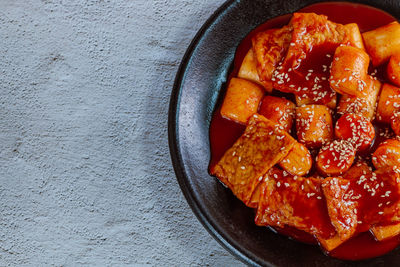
[85,173]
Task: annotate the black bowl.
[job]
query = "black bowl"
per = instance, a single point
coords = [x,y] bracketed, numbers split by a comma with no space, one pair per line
[201,76]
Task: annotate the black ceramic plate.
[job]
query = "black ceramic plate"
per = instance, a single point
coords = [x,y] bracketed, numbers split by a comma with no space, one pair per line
[201,76]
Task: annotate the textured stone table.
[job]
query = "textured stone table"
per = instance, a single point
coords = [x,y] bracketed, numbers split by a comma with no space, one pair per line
[86,177]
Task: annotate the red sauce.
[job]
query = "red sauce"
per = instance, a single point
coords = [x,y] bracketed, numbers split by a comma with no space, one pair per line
[296,234]
[223,133]
[364,246]
[367,18]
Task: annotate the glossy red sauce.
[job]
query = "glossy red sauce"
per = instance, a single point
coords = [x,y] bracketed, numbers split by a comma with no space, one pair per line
[223,133]
[364,246]
[296,234]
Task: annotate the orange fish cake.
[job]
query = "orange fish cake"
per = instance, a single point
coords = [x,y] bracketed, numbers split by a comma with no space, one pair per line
[270,47]
[293,201]
[260,147]
[248,70]
[354,205]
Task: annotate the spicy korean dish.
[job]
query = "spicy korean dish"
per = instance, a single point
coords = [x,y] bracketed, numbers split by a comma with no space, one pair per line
[319,147]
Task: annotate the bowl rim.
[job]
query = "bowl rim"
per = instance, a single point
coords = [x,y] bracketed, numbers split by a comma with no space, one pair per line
[176,157]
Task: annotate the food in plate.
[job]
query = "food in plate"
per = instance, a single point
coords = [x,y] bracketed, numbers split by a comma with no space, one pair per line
[319,151]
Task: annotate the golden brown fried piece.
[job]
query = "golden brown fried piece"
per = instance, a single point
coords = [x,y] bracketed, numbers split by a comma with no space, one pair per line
[349,71]
[355,37]
[354,173]
[357,170]
[306,100]
[294,201]
[242,100]
[393,69]
[389,103]
[383,232]
[255,197]
[260,147]
[364,105]
[314,125]
[383,42]
[395,123]
[343,217]
[248,70]
[387,154]
[298,161]
[330,243]
[270,47]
